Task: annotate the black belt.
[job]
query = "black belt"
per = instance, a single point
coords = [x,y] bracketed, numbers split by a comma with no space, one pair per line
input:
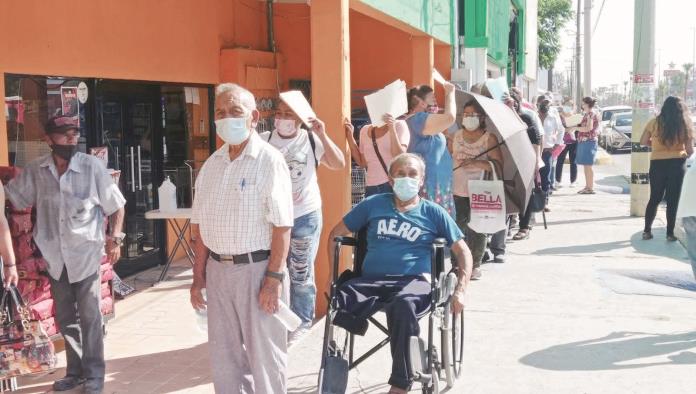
[253,257]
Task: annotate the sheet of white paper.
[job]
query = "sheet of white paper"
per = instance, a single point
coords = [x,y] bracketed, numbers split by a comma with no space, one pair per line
[187,95]
[573,120]
[196,98]
[298,104]
[438,77]
[389,100]
[497,87]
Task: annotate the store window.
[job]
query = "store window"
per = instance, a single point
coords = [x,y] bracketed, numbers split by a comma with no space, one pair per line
[30,101]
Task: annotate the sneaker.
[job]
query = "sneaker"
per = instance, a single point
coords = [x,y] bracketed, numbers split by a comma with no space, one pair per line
[67,383]
[297,335]
[573,184]
[94,386]
[672,238]
[476,274]
[647,235]
[558,186]
[500,258]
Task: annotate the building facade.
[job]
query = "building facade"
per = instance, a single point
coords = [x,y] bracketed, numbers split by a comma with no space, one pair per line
[139,77]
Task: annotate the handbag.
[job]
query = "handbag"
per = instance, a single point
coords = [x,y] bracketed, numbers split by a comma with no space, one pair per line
[487,204]
[25,348]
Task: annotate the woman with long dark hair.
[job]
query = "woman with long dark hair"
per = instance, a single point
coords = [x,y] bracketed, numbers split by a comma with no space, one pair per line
[671,136]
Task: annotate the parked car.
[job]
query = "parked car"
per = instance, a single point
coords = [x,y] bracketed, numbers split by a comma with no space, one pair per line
[619,135]
[605,116]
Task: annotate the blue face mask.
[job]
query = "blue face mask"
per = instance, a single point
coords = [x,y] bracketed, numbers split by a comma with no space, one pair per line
[233,131]
[406,188]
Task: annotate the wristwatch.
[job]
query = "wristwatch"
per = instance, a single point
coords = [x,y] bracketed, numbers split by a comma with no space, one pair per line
[118,238]
[275,275]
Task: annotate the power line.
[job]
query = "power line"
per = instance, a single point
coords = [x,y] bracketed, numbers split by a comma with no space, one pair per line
[598,16]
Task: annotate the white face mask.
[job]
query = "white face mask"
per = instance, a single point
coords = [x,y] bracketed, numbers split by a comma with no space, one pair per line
[286,127]
[471,123]
[233,131]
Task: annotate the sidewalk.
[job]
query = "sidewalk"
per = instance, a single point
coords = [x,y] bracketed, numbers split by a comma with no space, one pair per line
[583,307]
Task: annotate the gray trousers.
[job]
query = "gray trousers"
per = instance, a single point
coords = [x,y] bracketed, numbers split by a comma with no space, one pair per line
[80,321]
[248,347]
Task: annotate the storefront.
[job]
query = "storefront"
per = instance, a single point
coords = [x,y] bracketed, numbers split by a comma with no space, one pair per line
[145,131]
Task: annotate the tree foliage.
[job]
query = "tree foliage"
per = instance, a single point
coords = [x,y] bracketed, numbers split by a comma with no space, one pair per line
[553,15]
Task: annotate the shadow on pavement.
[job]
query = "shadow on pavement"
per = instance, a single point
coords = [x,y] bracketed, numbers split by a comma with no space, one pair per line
[659,246]
[590,220]
[584,249]
[683,280]
[618,350]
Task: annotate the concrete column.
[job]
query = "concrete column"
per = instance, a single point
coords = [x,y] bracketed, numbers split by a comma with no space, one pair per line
[476,60]
[423,55]
[331,101]
[643,99]
[4,148]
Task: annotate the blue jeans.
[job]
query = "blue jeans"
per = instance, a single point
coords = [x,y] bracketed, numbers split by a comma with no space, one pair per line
[690,229]
[378,189]
[546,172]
[304,242]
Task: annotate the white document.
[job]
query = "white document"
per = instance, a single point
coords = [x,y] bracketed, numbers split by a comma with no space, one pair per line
[438,77]
[299,105]
[188,95]
[196,98]
[497,87]
[573,120]
[389,100]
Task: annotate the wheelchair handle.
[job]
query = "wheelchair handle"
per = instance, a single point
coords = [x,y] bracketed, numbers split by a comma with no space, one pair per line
[440,242]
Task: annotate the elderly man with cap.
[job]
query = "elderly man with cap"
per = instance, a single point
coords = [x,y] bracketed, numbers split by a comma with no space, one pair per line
[73,194]
[241,223]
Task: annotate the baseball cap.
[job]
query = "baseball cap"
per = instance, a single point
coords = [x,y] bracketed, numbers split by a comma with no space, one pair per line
[60,124]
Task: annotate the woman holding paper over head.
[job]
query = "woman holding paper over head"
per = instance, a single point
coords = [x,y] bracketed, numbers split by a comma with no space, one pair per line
[571,143]
[428,141]
[378,146]
[303,150]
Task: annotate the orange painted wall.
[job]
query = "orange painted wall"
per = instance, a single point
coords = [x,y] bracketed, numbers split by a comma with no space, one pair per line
[293,42]
[379,54]
[443,65]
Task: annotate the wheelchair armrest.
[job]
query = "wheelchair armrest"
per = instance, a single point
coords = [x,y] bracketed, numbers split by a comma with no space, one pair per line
[349,241]
[440,242]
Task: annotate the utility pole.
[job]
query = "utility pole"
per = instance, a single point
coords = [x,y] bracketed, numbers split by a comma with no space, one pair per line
[643,100]
[588,48]
[578,54]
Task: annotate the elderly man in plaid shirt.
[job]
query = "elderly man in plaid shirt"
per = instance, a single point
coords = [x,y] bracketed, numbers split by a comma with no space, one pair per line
[242,217]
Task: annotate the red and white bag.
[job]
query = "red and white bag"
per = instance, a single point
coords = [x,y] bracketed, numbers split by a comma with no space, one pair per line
[20,223]
[43,310]
[23,247]
[487,203]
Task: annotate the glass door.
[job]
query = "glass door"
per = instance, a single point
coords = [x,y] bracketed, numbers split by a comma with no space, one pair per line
[129,122]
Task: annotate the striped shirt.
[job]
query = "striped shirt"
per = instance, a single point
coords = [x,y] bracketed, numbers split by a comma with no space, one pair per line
[238,202]
[70,211]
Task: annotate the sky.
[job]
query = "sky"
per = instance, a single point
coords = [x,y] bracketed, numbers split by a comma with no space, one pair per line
[612,41]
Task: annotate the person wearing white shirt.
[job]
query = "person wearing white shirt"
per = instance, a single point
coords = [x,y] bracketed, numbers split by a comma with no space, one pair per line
[552,136]
[687,212]
[303,150]
[241,223]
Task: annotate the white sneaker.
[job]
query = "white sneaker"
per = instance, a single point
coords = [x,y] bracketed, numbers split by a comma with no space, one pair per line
[574,184]
[299,334]
[558,186]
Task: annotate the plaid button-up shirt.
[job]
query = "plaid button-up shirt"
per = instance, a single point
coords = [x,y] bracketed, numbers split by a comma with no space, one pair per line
[238,202]
[70,211]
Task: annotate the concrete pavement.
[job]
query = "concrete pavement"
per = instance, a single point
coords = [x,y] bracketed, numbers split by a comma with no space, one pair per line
[583,307]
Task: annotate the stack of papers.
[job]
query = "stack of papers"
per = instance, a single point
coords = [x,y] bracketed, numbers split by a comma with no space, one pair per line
[299,105]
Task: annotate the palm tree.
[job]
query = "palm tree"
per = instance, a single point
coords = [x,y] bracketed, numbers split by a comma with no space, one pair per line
[687,70]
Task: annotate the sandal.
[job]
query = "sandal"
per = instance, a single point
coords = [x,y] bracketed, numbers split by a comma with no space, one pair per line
[522,234]
[586,191]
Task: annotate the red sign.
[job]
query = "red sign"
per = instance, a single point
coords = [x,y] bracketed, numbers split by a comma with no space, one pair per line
[643,78]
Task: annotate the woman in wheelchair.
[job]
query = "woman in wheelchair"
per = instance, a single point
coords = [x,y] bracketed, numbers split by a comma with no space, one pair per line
[401,228]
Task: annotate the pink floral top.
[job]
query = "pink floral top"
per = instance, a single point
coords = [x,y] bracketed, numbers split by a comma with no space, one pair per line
[592,134]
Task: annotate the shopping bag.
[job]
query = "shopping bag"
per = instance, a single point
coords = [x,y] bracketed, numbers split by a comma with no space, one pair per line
[487,203]
[25,347]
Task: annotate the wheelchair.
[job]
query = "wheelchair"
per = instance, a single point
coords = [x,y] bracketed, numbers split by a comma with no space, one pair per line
[428,361]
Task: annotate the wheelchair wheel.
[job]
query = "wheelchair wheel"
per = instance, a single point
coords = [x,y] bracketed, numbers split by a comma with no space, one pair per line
[434,385]
[452,340]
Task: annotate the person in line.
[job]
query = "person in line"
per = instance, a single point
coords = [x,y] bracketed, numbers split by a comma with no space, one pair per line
[474,149]
[428,141]
[586,150]
[241,224]
[304,151]
[687,212]
[378,146]
[570,142]
[552,138]
[9,265]
[73,193]
[670,135]
[535,138]
[518,92]
[401,228]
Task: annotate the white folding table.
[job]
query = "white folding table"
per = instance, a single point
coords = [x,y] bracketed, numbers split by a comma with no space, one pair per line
[172,218]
